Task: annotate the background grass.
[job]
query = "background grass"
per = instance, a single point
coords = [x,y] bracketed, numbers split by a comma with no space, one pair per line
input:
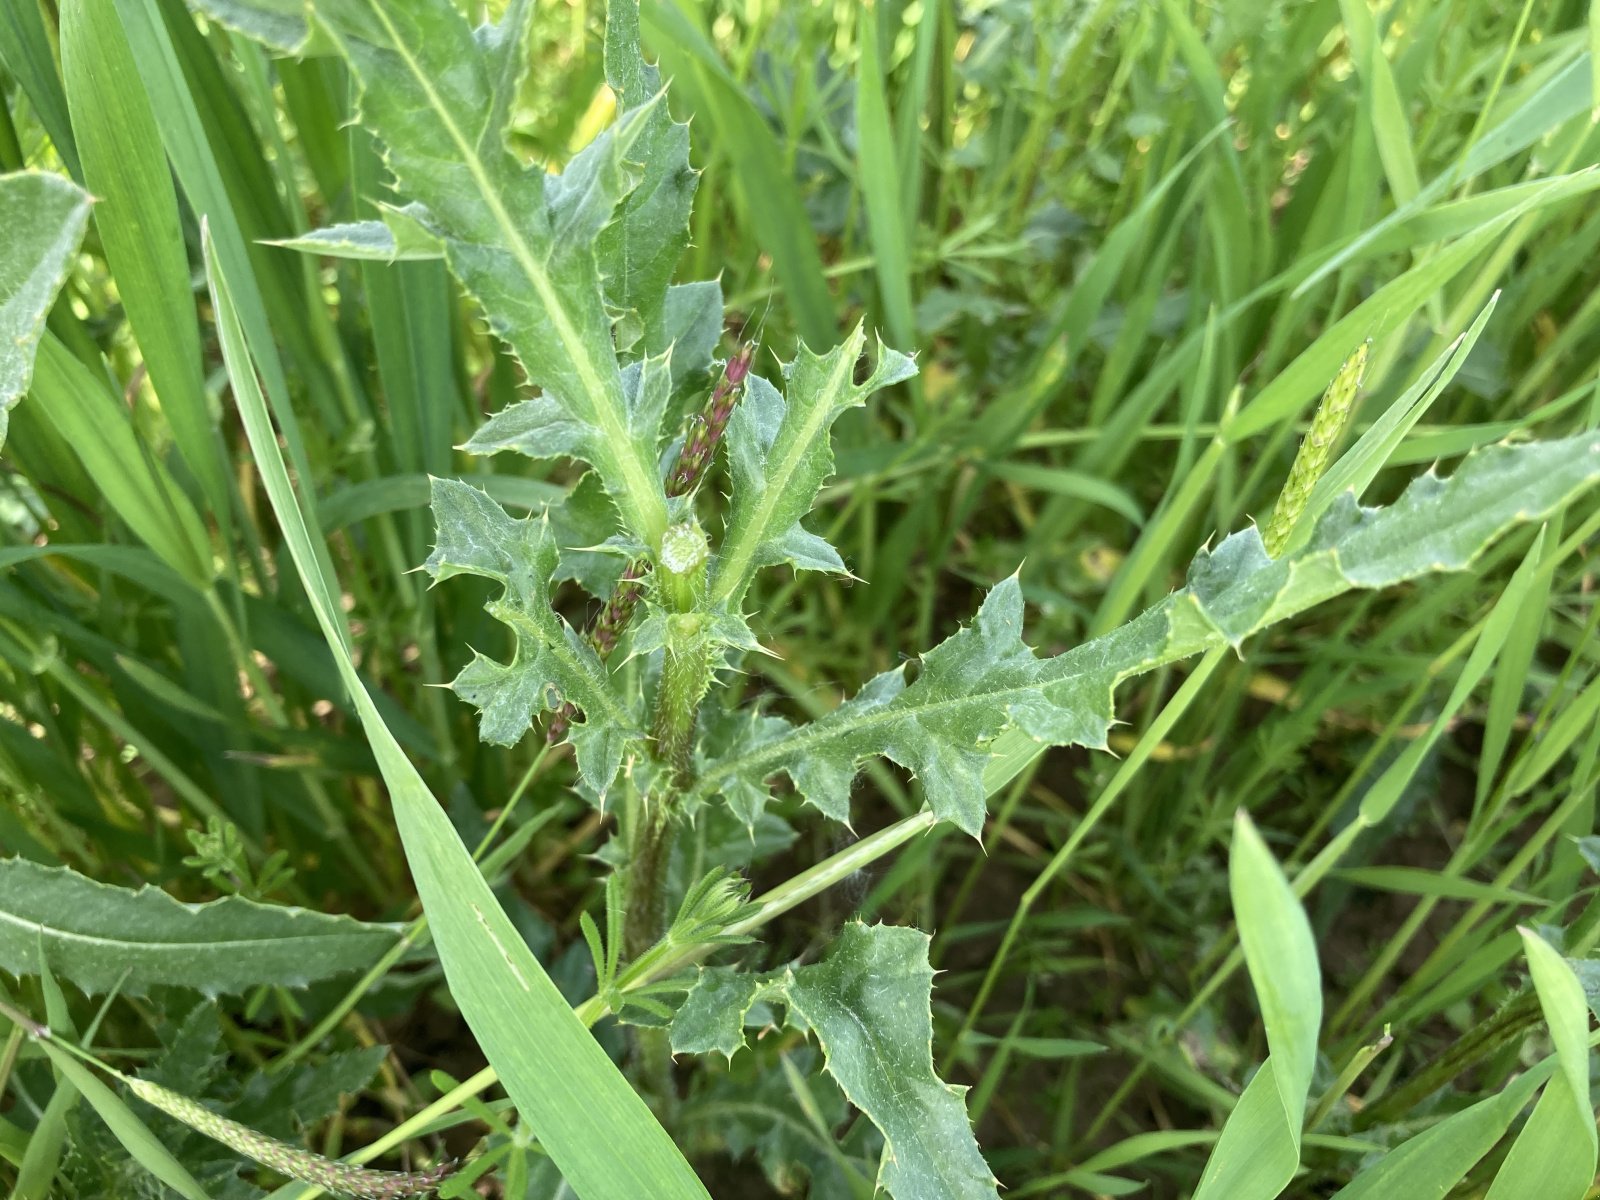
[1107,227]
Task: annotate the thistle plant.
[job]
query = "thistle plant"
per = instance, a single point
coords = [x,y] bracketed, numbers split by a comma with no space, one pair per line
[672,511]
[575,273]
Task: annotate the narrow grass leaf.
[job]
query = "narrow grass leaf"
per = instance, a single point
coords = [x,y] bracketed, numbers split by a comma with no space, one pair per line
[27,55]
[136,485]
[136,1138]
[1429,1165]
[766,184]
[878,168]
[136,215]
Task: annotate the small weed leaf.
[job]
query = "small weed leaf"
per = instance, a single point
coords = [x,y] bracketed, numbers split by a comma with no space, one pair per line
[553,664]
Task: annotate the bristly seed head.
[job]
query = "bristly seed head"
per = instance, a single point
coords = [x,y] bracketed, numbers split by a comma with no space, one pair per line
[706,429]
[1316,450]
[335,1176]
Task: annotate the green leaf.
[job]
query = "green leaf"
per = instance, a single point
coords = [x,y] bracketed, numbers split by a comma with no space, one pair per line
[868,1004]
[402,236]
[985,681]
[1427,1166]
[1259,1150]
[638,251]
[779,453]
[98,935]
[1252,1159]
[1281,955]
[553,664]
[136,485]
[137,217]
[44,218]
[521,241]
[712,1015]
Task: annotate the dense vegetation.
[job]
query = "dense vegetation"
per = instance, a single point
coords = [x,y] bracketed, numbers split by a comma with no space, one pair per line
[825,447]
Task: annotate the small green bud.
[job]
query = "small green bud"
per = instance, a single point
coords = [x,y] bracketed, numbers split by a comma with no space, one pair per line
[681,565]
[1316,450]
[684,549]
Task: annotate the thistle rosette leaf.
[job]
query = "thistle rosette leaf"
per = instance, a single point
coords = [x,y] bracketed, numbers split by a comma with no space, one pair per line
[553,665]
[868,1004]
[985,679]
[779,454]
[522,242]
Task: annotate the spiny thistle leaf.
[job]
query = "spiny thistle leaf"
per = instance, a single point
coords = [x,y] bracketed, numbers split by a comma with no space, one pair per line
[520,240]
[553,664]
[44,218]
[868,1004]
[712,1014]
[638,251]
[779,453]
[101,937]
[984,678]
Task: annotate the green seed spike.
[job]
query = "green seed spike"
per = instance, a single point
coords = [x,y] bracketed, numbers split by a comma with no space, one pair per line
[1316,450]
[345,1178]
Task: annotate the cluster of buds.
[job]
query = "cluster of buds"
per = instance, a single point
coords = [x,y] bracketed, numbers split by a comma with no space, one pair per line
[705,429]
[699,448]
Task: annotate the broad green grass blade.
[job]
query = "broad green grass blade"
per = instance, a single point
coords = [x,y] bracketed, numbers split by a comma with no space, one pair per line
[44,218]
[570,1093]
[136,214]
[1282,958]
[1566,1012]
[1255,1157]
[1259,1149]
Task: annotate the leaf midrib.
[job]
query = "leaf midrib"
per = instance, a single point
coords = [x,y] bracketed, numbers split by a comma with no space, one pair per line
[276,940]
